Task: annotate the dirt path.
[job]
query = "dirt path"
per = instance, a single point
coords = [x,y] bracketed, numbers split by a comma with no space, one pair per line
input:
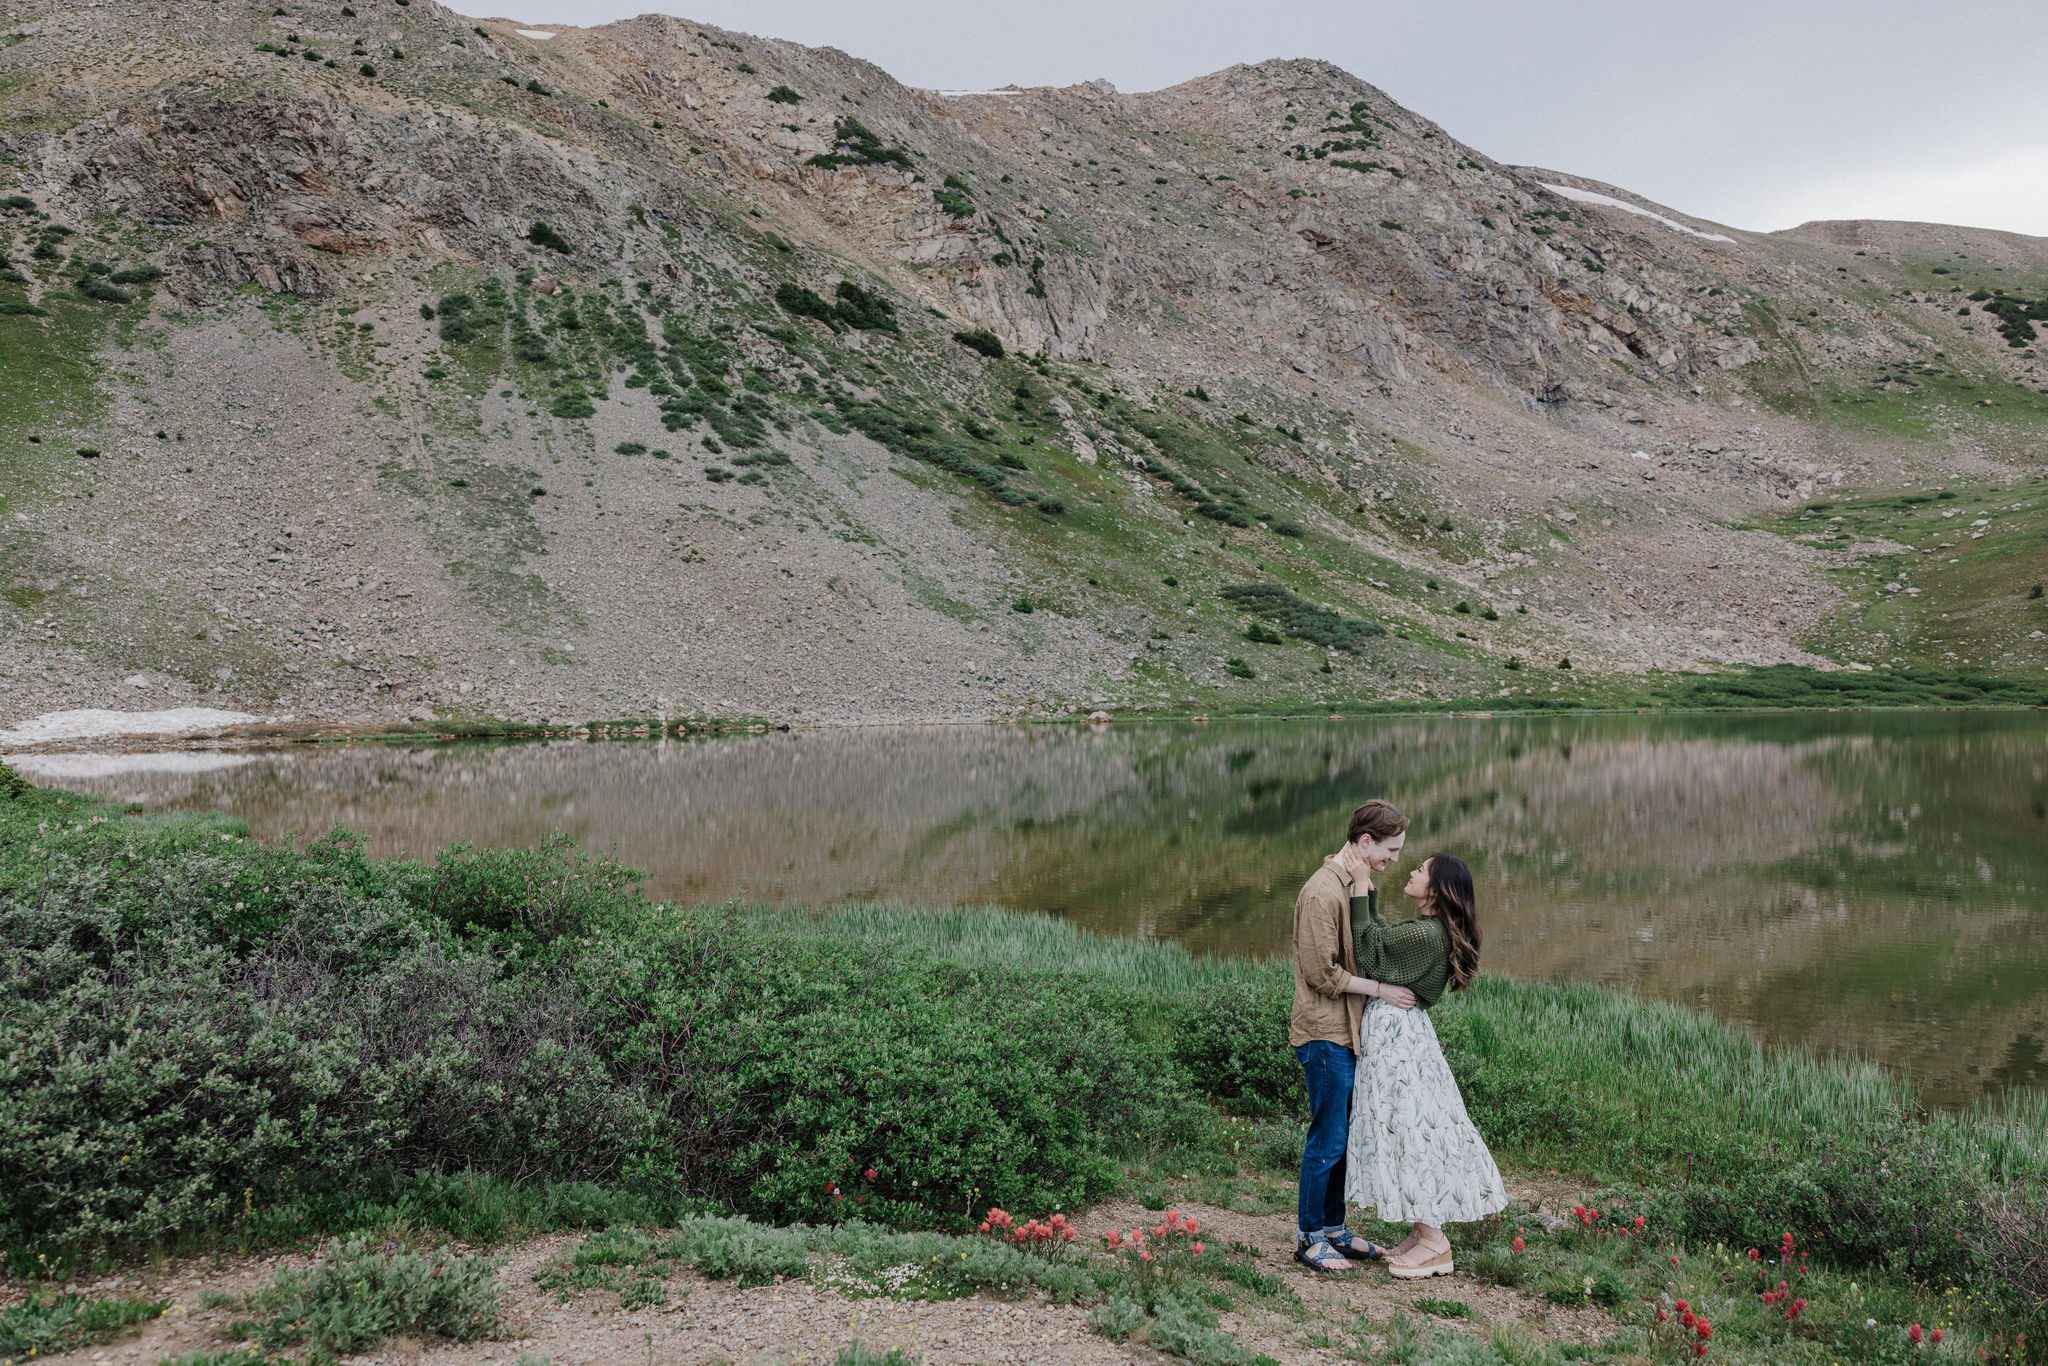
[705,1321]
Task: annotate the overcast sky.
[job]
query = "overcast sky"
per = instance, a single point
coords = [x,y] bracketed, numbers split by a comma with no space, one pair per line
[1756,113]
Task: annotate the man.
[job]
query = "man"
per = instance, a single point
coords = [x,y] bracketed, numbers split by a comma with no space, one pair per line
[1329,1003]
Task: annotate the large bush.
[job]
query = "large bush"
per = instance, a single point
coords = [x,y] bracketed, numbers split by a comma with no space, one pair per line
[1233,1043]
[192,1024]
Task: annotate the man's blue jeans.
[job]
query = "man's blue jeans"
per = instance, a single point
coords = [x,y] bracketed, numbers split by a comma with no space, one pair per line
[1329,1068]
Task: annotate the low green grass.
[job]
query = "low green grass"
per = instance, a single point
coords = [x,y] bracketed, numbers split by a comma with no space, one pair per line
[1923,403]
[1968,558]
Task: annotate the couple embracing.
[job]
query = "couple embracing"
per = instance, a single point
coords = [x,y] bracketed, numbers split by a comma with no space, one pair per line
[1387,1128]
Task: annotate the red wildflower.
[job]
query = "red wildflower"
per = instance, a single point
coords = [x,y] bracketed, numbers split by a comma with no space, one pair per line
[1517,1245]
[1681,1306]
[1936,1335]
[1662,1317]
[1754,1255]
[869,1173]
[1144,1256]
[1688,1318]
[1196,1247]
[1913,1335]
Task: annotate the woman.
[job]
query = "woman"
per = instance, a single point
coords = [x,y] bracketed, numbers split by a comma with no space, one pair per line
[1413,1152]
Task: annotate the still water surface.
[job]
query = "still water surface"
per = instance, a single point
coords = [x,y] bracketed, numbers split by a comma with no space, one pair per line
[1870,883]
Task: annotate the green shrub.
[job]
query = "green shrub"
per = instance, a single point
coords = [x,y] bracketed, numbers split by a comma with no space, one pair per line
[541,235]
[805,303]
[357,1296]
[854,145]
[137,275]
[982,340]
[1233,1046]
[13,786]
[40,1324]
[94,288]
[1888,1195]
[1301,619]
[630,448]
[853,307]
[782,94]
[954,199]
[863,309]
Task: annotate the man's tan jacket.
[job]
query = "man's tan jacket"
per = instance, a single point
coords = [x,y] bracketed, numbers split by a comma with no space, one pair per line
[1323,961]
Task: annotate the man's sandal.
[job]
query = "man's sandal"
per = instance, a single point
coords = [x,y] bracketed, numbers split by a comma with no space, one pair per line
[1319,1256]
[1356,1248]
[1432,1263]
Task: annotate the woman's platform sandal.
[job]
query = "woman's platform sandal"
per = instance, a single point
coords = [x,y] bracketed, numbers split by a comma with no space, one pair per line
[1320,1257]
[1432,1263]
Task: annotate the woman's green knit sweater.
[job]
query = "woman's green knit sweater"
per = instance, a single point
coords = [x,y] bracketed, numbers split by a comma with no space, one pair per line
[1415,954]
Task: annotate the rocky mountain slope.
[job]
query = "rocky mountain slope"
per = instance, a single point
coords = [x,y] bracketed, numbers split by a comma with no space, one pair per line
[361,362]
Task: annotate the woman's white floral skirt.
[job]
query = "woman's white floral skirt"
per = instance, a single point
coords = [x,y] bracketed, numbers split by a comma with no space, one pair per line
[1414,1155]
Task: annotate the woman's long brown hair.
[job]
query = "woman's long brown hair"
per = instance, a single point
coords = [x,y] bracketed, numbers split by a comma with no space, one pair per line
[1450,893]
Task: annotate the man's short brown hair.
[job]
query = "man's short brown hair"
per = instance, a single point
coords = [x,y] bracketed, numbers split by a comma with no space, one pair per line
[1378,819]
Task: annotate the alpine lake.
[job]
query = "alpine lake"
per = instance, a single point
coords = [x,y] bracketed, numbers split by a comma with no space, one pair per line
[1871,883]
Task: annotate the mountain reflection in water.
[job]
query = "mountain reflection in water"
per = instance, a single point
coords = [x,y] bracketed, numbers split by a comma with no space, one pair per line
[1870,883]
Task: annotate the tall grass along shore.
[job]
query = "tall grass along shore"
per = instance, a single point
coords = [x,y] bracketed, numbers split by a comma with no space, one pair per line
[210,1041]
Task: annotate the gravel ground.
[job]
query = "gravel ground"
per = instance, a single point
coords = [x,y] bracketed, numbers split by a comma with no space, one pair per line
[797,1322]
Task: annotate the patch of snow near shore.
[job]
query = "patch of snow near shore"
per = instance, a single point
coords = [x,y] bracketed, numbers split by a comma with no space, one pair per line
[1609,201]
[74,767]
[93,723]
[533,33]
